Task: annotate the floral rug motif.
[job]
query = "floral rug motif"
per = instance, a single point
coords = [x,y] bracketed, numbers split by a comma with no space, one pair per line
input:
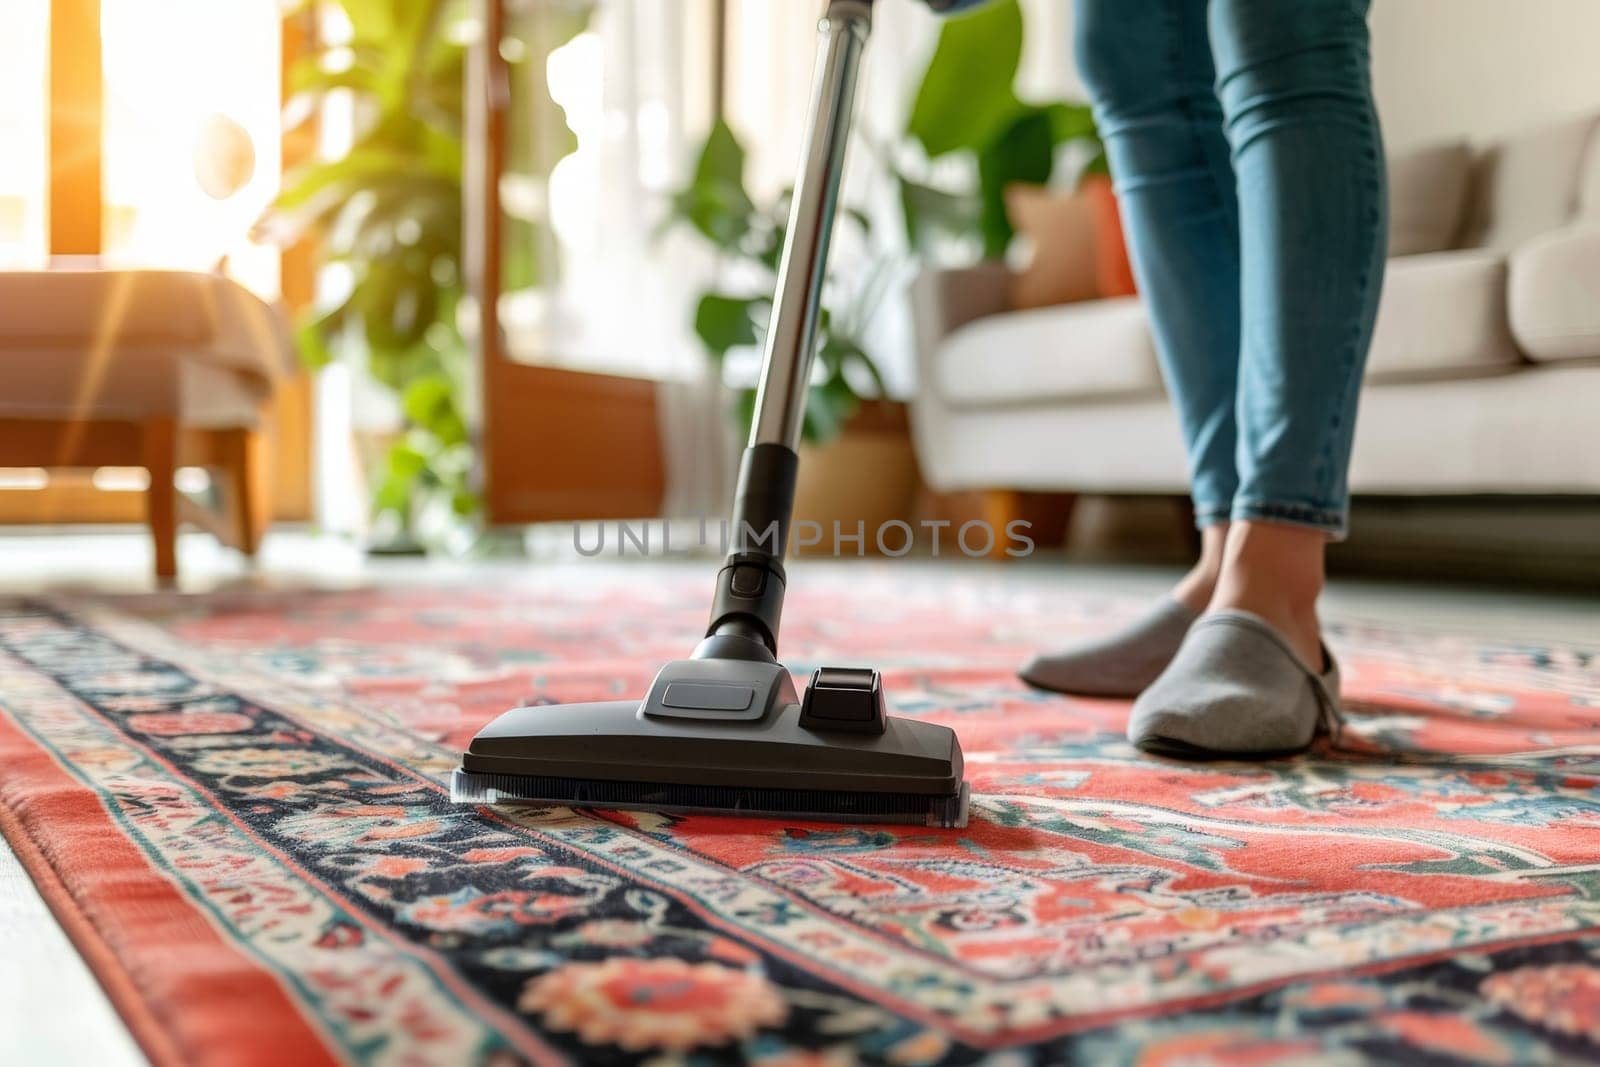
[235,805]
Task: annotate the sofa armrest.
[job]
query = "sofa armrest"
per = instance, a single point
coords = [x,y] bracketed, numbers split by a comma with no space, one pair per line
[943,299]
[1554,294]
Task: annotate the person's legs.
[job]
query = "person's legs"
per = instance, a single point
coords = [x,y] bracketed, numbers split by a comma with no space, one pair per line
[1252,675]
[1149,71]
[1295,89]
[1148,68]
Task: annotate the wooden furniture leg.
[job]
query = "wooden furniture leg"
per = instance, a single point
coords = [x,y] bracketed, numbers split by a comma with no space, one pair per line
[248,492]
[1049,517]
[160,456]
[1191,535]
[1000,508]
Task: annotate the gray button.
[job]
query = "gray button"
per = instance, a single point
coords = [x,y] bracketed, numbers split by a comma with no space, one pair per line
[708,696]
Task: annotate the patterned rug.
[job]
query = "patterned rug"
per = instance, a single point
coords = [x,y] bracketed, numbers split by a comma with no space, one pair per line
[233,803]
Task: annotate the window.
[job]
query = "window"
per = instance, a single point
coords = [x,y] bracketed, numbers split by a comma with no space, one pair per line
[191,135]
[24,33]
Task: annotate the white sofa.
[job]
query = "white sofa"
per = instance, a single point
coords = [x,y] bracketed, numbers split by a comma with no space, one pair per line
[1484,374]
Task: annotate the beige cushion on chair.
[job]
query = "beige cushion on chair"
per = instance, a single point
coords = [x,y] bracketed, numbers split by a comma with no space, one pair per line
[1094,349]
[136,344]
[1427,197]
[1443,316]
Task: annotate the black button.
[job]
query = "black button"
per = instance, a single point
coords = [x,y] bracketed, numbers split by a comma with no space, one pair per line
[844,698]
[748,581]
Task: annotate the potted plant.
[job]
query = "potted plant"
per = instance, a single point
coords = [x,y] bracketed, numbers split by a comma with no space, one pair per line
[966,105]
[388,213]
[857,464]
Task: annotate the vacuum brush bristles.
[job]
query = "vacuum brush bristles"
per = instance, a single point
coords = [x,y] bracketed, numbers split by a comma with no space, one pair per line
[835,757]
[912,808]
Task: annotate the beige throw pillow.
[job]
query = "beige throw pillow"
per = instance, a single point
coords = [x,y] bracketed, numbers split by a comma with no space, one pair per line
[1059,230]
[1427,197]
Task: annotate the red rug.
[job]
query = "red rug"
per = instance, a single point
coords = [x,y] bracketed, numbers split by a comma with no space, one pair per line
[234,805]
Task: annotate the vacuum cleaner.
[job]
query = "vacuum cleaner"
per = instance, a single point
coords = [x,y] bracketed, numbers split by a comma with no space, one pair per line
[723,731]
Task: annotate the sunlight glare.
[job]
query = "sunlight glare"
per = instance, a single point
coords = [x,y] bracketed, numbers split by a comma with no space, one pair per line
[172,83]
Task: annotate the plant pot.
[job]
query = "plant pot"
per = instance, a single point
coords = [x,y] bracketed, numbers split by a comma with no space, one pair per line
[867,476]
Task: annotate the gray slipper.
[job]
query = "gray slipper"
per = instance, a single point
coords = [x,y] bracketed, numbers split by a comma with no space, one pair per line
[1121,664]
[1236,689]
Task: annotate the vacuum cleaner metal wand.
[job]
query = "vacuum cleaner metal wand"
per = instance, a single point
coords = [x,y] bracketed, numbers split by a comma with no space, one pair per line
[791,337]
[745,625]
[724,731]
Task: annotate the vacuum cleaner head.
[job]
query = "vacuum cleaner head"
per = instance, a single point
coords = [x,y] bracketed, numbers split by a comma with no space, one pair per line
[726,737]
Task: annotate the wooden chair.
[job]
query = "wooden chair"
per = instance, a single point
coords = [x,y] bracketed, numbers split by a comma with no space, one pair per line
[152,369]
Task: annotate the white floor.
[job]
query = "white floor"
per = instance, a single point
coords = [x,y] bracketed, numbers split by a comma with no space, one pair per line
[51,1009]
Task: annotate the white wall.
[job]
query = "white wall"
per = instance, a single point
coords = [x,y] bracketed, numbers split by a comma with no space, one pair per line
[1442,68]
[1482,68]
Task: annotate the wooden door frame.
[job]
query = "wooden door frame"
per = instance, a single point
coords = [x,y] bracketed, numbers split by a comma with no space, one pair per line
[556,444]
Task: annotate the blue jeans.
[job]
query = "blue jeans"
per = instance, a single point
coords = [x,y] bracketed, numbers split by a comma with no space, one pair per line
[1249,169]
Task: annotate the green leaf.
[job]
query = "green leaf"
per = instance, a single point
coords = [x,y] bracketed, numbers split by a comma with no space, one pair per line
[1071,122]
[525,259]
[403,469]
[310,75]
[715,202]
[363,167]
[845,352]
[828,408]
[406,462]
[721,157]
[966,95]
[310,344]
[312,335]
[930,213]
[397,304]
[1025,152]
[724,322]
[430,403]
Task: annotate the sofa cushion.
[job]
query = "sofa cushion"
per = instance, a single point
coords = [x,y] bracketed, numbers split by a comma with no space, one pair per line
[1554,309]
[1442,315]
[1427,197]
[1527,185]
[1099,348]
[1059,230]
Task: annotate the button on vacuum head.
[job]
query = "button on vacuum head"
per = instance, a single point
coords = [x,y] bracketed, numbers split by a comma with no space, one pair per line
[844,699]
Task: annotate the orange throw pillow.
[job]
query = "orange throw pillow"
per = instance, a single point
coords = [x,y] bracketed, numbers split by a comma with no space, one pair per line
[1060,230]
[1113,271]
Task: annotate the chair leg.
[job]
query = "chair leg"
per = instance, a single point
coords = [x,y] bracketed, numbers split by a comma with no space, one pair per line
[1000,508]
[245,462]
[161,499]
